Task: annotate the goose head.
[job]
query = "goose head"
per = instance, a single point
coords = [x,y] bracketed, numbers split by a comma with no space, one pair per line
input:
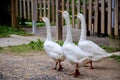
[80,16]
[45,19]
[65,14]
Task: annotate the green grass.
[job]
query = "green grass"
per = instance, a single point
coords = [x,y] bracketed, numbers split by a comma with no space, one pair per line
[35,46]
[6,31]
[25,48]
[38,24]
[115,57]
[108,49]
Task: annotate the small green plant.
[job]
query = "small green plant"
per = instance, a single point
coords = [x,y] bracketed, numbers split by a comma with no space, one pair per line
[115,57]
[108,49]
[32,46]
[60,43]
[38,45]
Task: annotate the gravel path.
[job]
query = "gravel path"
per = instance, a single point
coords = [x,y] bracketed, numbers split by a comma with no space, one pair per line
[37,66]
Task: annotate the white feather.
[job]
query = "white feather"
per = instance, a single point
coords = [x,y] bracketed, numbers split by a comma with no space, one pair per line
[89,46]
[53,49]
[71,51]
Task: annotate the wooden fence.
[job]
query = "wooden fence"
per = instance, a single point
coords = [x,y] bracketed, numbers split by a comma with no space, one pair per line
[102,16]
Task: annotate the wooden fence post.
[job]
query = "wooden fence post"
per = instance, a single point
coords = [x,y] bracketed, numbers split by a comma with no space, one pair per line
[73,13]
[58,20]
[90,16]
[109,17]
[34,15]
[96,17]
[24,8]
[28,9]
[78,11]
[53,11]
[13,12]
[45,8]
[116,18]
[102,16]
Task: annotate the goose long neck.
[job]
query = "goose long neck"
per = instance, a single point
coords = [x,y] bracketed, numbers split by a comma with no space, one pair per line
[49,36]
[69,34]
[83,29]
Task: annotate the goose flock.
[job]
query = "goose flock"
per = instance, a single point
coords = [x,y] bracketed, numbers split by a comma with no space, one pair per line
[78,55]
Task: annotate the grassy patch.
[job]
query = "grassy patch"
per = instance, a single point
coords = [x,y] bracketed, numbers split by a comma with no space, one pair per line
[108,49]
[115,57]
[25,48]
[6,31]
[35,46]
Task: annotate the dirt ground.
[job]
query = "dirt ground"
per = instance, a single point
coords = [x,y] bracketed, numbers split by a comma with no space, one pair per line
[37,66]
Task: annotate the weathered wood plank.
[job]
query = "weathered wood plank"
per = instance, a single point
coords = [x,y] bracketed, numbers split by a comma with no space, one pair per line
[58,20]
[96,16]
[109,17]
[48,9]
[40,3]
[102,16]
[73,13]
[63,7]
[84,8]
[17,8]
[53,11]
[20,4]
[68,6]
[24,8]
[78,11]
[44,7]
[28,9]
[13,13]
[90,16]
[116,18]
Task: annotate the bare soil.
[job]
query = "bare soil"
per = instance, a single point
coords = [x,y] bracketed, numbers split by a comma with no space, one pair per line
[38,66]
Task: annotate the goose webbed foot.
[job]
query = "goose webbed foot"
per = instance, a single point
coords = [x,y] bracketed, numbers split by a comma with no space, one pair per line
[91,66]
[76,73]
[60,67]
[55,66]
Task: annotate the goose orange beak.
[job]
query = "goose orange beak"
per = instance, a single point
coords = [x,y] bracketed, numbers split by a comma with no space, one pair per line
[40,18]
[75,15]
[60,11]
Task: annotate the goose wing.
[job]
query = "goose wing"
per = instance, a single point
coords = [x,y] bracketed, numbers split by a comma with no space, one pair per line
[73,50]
[53,47]
[91,47]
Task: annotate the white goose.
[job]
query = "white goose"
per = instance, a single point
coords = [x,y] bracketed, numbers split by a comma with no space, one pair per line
[89,46]
[52,49]
[72,52]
